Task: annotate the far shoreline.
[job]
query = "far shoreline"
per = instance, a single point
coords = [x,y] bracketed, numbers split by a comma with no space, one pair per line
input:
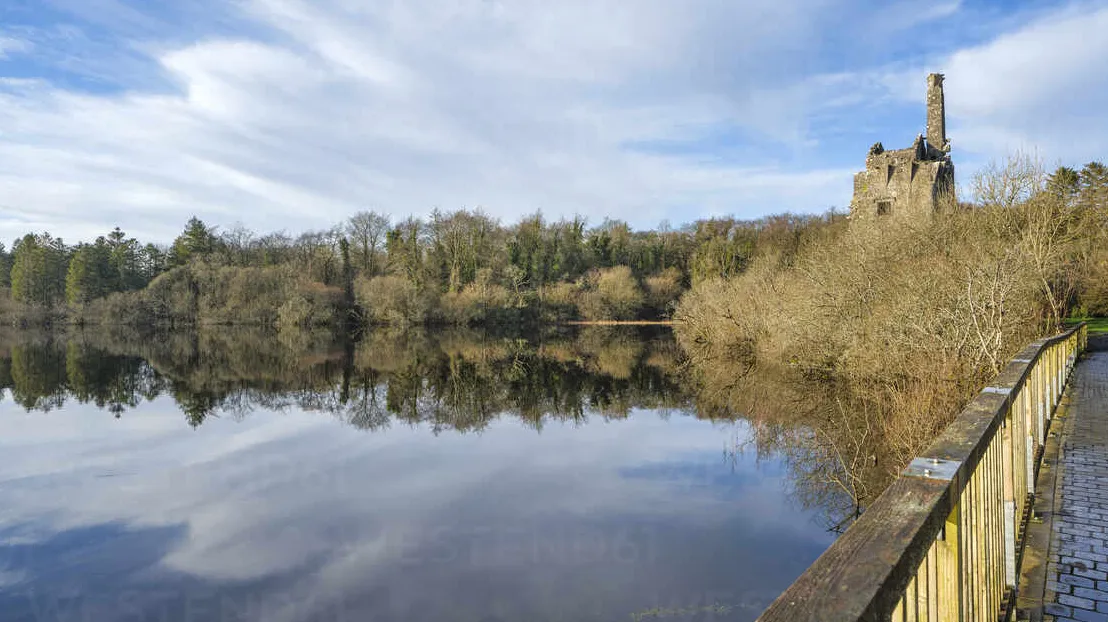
[621,322]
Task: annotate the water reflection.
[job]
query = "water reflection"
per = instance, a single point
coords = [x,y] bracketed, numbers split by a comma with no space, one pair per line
[833,436]
[567,476]
[458,380]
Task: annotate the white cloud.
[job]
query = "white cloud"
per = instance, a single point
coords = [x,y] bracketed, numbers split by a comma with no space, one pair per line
[294,114]
[899,16]
[404,106]
[1041,87]
[8,45]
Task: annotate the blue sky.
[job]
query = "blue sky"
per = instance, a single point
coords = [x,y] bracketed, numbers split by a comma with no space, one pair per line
[293,114]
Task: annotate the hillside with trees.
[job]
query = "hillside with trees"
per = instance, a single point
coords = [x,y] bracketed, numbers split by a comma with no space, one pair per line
[459,268]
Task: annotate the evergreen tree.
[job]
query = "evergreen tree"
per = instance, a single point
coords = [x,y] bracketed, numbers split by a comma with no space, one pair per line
[126,262]
[152,262]
[39,270]
[5,267]
[347,274]
[1065,183]
[569,253]
[197,240]
[1094,186]
[91,273]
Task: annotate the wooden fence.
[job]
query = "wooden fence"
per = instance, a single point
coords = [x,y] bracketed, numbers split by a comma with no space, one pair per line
[944,541]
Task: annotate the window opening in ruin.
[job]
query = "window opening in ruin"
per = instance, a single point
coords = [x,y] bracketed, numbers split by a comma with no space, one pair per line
[884,207]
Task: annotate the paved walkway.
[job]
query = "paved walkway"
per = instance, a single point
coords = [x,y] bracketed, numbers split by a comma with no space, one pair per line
[1077,568]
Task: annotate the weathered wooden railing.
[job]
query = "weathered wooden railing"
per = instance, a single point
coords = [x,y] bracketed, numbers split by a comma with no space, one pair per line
[944,541]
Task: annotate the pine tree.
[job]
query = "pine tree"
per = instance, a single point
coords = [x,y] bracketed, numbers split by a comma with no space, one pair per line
[91,273]
[197,240]
[39,270]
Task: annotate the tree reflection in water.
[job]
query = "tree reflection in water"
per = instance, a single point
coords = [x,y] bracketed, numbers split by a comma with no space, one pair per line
[461,381]
[451,380]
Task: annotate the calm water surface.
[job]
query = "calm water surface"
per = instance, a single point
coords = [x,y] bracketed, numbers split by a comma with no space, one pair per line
[420,477]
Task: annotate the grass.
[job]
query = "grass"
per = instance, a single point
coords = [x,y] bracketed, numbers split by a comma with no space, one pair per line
[1097,325]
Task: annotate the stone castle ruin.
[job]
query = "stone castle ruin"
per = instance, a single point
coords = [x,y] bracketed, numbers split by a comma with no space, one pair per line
[913,182]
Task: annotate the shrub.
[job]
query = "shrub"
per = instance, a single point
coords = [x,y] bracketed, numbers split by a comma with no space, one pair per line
[558,302]
[911,319]
[203,294]
[662,291]
[233,295]
[121,308]
[296,312]
[15,313]
[393,300]
[173,297]
[610,294]
[479,302]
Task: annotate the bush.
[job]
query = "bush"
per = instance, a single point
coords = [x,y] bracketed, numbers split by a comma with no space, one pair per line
[324,303]
[173,297]
[121,308]
[15,313]
[393,300]
[203,294]
[247,295]
[912,319]
[610,294]
[662,291]
[877,302]
[481,302]
[558,302]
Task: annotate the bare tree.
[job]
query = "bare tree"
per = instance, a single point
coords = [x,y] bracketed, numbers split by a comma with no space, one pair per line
[1010,183]
[236,243]
[1050,240]
[367,231]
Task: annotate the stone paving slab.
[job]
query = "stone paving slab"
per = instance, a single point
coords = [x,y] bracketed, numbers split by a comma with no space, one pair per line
[1077,558]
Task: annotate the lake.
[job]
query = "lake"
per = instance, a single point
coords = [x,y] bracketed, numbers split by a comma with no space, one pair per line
[234,475]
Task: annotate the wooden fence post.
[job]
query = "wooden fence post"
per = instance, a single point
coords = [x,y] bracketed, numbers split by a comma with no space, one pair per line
[951,599]
[1008,476]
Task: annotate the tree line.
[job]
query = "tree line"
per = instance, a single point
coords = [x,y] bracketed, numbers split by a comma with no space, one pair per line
[461,267]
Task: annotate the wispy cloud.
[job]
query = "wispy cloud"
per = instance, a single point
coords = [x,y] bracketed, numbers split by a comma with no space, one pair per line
[293,114]
[1039,87]
[12,45]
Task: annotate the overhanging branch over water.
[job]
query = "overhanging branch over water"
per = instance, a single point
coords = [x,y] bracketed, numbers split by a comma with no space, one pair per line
[944,541]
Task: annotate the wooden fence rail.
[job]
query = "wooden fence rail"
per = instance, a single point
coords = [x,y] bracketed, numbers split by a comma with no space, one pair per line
[944,541]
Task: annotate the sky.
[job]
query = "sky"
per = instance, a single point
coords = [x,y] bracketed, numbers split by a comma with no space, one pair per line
[295,114]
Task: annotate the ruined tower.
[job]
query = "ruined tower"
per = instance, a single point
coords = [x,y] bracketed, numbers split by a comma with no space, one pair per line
[936,113]
[913,182]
